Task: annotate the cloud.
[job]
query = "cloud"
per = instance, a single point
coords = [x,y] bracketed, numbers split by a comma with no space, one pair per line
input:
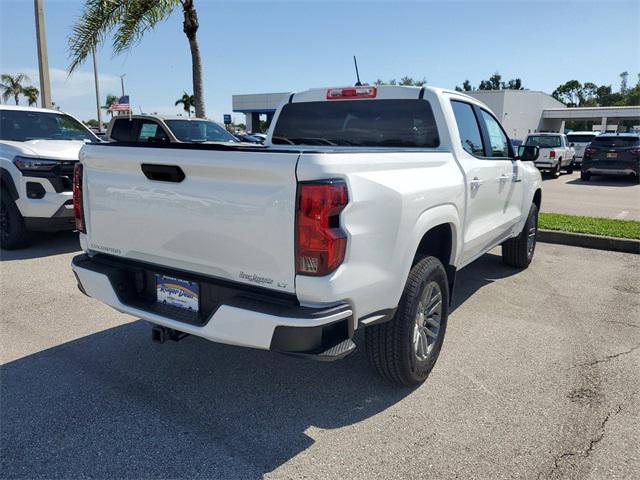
[76,93]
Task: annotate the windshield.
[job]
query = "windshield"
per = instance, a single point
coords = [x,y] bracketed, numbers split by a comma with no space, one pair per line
[199,131]
[25,125]
[626,141]
[360,123]
[581,138]
[543,141]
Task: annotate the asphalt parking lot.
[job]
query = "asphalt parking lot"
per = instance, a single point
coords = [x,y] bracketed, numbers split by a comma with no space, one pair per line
[612,197]
[539,378]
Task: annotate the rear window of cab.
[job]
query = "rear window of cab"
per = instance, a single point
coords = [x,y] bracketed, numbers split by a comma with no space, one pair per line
[543,141]
[402,123]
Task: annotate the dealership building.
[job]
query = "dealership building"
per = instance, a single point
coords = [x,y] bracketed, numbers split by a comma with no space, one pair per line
[520,111]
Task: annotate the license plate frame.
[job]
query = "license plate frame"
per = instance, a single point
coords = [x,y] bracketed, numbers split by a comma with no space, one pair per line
[612,154]
[177,292]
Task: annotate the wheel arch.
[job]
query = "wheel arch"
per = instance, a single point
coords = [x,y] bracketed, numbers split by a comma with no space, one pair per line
[6,182]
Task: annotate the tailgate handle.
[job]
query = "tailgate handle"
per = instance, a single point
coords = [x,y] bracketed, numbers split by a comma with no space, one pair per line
[163,173]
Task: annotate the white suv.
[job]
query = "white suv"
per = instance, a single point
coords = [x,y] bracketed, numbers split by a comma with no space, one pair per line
[38,151]
[579,141]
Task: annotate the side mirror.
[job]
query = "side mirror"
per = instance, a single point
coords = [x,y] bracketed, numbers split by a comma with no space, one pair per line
[528,153]
[572,144]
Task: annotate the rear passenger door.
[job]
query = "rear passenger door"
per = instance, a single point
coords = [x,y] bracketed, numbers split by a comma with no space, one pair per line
[484,219]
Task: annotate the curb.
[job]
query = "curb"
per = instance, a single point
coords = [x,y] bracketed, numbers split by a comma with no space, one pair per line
[613,244]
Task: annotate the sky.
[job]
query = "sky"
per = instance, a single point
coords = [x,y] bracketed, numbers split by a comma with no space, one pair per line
[279,46]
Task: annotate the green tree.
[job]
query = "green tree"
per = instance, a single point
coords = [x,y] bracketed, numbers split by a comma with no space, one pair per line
[187,101]
[405,81]
[92,123]
[110,100]
[624,78]
[11,86]
[31,93]
[130,20]
[569,93]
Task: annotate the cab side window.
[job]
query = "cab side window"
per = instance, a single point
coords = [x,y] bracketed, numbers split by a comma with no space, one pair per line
[468,128]
[151,132]
[498,141]
[121,130]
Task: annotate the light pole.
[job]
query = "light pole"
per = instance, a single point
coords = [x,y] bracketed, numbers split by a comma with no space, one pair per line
[43,62]
[122,82]
[95,76]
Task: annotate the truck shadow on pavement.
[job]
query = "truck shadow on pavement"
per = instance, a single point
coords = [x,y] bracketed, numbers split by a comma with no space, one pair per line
[44,245]
[113,404]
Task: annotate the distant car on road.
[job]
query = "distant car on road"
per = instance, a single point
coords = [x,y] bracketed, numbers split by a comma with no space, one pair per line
[579,141]
[555,152]
[261,136]
[612,154]
[515,143]
[166,129]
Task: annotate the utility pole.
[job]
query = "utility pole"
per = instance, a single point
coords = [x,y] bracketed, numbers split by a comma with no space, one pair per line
[95,76]
[122,82]
[43,62]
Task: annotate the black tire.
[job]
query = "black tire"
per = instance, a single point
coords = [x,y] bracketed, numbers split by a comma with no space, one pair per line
[390,346]
[571,165]
[517,251]
[558,170]
[585,176]
[13,234]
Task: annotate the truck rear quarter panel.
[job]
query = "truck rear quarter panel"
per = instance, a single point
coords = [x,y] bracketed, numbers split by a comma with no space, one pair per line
[394,199]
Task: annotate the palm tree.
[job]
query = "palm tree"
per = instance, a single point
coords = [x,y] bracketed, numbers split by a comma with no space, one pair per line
[130,20]
[31,93]
[111,99]
[187,101]
[12,85]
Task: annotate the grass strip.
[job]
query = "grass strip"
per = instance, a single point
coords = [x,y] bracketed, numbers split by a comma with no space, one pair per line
[608,227]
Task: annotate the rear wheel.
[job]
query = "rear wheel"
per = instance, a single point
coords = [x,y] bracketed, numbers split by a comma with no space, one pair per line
[585,176]
[405,349]
[518,252]
[571,165]
[556,171]
[13,233]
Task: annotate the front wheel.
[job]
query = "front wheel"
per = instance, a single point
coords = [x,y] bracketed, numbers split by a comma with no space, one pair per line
[518,251]
[405,349]
[13,233]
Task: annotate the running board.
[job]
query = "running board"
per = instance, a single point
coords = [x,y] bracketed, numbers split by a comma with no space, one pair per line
[336,352]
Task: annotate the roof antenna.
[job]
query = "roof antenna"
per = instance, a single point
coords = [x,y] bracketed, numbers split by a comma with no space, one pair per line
[355,62]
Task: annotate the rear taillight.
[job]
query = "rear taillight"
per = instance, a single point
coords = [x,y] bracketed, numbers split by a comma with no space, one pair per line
[589,151]
[552,154]
[351,92]
[635,151]
[321,243]
[78,208]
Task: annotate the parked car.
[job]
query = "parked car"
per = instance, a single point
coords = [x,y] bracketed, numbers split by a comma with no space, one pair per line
[166,129]
[515,144]
[612,154]
[244,137]
[38,150]
[301,244]
[260,136]
[555,152]
[579,141]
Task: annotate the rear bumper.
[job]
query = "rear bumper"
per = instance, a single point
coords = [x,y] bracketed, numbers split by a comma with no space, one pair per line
[234,314]
[610,171]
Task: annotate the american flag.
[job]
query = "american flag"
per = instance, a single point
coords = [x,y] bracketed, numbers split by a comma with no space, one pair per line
[122,105]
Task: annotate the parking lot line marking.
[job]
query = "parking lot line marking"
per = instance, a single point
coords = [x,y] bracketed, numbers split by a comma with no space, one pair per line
[622,215]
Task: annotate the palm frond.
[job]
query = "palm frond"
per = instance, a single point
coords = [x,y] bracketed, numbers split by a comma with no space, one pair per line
[98,19]
[138,17]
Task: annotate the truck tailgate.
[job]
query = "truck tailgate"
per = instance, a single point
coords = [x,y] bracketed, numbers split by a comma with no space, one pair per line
[231,217]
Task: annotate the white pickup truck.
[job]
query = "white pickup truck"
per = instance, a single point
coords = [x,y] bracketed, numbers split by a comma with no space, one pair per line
[556,153]
[358,213]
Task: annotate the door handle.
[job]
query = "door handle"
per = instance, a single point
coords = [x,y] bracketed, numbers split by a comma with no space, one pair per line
[475,183]
[163,173]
